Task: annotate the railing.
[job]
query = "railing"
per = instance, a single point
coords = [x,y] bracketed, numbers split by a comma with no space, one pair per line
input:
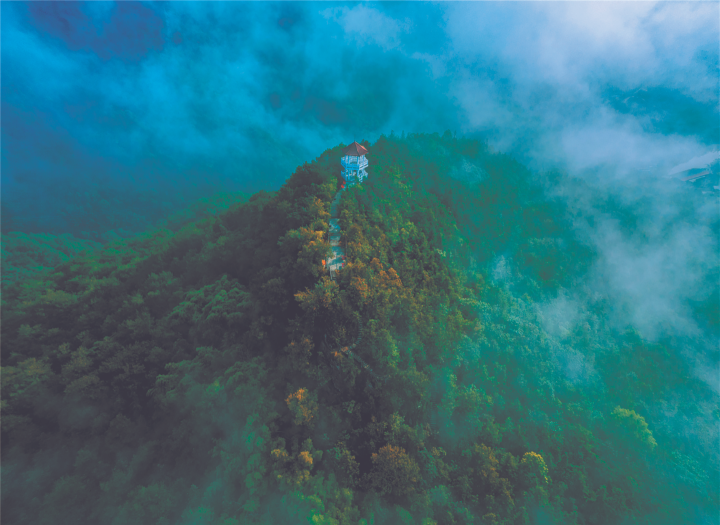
[352,162]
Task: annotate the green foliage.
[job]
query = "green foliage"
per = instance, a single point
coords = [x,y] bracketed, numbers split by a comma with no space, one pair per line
[634,426]
[533,470]
[482,483]
[394,471]
[304,407]
[215,309]
[26,254]
[68,498]
[153,504]
[211,371]
[344,465]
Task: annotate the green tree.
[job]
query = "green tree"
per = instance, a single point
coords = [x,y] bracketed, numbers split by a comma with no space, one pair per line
[633,426]
[394,472]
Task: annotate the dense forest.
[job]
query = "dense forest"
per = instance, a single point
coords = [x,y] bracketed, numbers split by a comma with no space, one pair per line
[199,374]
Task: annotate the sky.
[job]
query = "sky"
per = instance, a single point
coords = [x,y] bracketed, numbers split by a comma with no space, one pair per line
[146,106]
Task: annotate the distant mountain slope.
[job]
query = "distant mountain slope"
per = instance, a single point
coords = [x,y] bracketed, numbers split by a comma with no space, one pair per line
[668,111]
[23,254]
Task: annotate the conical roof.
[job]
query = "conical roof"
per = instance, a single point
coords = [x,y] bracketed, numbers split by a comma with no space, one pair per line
[355,150]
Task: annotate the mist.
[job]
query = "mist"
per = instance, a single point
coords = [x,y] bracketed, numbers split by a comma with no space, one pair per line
[117,115]
[179,100]
[143,108]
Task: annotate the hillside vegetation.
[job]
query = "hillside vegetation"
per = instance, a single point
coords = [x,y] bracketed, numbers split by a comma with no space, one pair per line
[198,376]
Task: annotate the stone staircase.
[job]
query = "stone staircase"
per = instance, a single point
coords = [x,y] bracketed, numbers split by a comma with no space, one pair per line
[336,259]
[333,265]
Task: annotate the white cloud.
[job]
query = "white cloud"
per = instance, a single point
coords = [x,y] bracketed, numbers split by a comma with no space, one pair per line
[560,315]
[650,281]
[366,24]
[619,142]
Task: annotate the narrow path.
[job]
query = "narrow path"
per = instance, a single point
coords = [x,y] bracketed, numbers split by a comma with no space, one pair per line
[381,380]
[334,264]
[348,350]
[336,259]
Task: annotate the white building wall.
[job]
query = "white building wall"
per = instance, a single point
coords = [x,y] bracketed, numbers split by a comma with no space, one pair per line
[354,168]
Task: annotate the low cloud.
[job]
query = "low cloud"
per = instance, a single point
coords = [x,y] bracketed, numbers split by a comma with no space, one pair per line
[369,25]
[616,94]
[559,316]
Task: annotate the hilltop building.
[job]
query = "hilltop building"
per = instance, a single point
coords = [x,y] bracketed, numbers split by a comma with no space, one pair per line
[354,163]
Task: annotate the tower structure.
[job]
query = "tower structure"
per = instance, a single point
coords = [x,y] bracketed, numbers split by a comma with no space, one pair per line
[354,163]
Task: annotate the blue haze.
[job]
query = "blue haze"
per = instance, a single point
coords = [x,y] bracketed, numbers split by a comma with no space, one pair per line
[146,106]
[116,115]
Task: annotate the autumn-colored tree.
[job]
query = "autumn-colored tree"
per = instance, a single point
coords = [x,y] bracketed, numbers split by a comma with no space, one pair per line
[359,290]
[394,472]
[317,211]
[294,468]
[320,298]
[357,245]
[303,406]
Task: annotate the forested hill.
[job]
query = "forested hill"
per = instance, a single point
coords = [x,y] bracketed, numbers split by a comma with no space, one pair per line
[200,377]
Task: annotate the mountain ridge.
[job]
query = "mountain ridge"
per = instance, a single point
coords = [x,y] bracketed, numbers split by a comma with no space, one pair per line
[183,377]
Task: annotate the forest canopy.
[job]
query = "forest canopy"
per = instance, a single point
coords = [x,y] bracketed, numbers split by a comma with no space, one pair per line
[200,372]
